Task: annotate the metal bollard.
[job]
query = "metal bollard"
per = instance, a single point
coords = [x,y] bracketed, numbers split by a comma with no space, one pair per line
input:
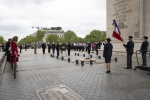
[91,62]
[78,54]
[68,59]
[57,57]
[82,63]
[99,57]
[77,62]
[53,56]
[75,54]
[62,58]
[90,56]
[83,55]
[115,59]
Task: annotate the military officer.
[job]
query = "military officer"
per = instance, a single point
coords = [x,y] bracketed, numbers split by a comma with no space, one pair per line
[143,50]
[130,49]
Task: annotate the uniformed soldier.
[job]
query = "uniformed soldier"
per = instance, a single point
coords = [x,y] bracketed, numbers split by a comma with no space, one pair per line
[107,53]
[130,49]
[143,50]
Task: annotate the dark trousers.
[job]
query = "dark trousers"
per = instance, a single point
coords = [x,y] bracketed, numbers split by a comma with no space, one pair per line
[53,51]
[57,52]
[89,51]
[68,52]
[49,50]
[129,60]
[144,58]
[96,51]
[8,55]
[43,50]
[20,50]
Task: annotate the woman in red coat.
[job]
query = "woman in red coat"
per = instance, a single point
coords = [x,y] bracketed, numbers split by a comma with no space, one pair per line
[14,50]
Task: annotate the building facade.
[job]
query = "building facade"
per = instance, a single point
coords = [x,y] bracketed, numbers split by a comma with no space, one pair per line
[133,18]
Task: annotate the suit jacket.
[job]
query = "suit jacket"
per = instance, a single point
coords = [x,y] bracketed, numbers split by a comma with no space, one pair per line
[129,47]
[89,45]
[43,45]
[69,46]
[144,47]
[53,46]
[107,50]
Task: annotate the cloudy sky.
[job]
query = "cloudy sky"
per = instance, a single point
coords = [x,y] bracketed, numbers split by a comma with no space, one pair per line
[81,16]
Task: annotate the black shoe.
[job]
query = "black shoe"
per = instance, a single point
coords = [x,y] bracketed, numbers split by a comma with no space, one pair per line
[126,68]
[108,71]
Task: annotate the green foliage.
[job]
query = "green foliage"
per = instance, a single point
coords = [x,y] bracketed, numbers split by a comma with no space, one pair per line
[69,34]
[95,35]
[1,39]
[52,37]
[27,40]
[39,35]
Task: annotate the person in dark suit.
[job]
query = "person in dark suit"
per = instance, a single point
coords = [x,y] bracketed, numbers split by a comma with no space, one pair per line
[130,49]
[25,47]
[20,48]
[49,47]
[107,53]
[89,48]
[143,50]
[43,47]
[7,49]
[57,48]
[53,47]
[69,47]
[96,48]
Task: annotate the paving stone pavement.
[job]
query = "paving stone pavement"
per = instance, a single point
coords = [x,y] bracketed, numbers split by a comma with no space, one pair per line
[89,81]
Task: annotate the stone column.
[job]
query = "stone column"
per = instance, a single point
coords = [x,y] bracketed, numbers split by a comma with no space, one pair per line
[141,18]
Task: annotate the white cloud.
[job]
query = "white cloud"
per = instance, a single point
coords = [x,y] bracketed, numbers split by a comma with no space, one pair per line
[82,16]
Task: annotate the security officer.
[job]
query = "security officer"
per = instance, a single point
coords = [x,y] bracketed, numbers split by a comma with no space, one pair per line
[129,48]
[143,50]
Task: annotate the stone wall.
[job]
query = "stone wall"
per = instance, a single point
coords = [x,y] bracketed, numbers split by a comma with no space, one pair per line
[133,18]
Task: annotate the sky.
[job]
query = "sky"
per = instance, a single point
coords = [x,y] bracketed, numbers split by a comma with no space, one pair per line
[81,16]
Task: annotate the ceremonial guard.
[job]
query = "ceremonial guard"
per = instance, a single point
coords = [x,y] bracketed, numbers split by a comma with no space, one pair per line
[53,47]
[43,47]
[143,50]
[130,49]
[57,48]
[69,47]
[107,53]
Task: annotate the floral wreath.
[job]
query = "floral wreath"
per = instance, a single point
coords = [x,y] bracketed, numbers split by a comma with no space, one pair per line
[63,47]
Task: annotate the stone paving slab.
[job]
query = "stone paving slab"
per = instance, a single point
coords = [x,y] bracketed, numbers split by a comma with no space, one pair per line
[89,81]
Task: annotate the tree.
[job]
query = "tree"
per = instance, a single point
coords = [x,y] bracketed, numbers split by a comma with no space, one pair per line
[95,35]
[52,37]
[39,35]
[68,34]
[1,39]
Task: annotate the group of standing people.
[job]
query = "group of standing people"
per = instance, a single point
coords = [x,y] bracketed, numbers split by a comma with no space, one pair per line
[108,48]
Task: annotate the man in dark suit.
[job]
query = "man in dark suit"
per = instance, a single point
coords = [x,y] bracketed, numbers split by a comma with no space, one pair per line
[89,48]
[43,47]
[69,47]
[143,50]
[53,47]
[20,48]
[96,47]
[49,47]
[130,49]
[107,53]
[7,49]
